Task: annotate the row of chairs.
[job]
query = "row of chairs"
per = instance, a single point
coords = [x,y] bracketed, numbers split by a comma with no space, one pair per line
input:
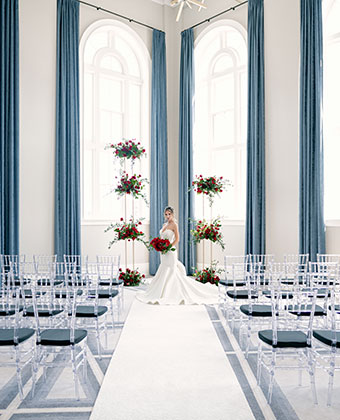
[48,308]
[293,306]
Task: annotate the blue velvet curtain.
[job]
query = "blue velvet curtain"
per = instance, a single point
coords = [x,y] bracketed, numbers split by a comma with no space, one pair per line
[311,219]
[187,251]
[159,142]
[67,172]
[255,209]
[9,127]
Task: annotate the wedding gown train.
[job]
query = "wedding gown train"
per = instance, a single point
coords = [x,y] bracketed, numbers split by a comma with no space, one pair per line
[171,286]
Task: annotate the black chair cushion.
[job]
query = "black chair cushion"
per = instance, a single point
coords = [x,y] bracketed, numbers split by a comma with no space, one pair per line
[61,337]
[325,336]
[284,295]
[240,294]
[104,282]
[230,283]
[257,310]
[304,310]
[103,293]
[9,310]
[43,312]
[62,294]
[295,339]
[7,335]
[87,311]
[47,282]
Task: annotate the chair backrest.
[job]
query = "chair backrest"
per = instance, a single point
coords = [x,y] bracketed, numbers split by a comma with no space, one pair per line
[281,306]
[323,274]
[108,259]
[331,258]
[78,261]
[42,263]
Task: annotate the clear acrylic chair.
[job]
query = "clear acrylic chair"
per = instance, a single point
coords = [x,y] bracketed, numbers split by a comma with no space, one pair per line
[69,341]
[17,344]
[285,341]
[108,274]
[326,343]
[117,283]
[295,264]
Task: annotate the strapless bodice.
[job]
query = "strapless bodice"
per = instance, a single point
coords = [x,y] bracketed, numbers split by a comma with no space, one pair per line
[167,234]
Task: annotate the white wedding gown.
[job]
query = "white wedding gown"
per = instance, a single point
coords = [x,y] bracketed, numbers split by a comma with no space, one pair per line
[171,286]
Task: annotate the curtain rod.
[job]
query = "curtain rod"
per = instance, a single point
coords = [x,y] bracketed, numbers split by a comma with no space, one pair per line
[117,14]
[218,14]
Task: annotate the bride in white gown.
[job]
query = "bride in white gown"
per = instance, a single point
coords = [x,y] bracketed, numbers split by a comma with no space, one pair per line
[170,285]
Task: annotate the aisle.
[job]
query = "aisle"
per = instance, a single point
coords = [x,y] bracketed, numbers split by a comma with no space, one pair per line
[169,365]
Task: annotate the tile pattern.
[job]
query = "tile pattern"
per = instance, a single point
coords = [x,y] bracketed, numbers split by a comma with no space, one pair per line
[55,399]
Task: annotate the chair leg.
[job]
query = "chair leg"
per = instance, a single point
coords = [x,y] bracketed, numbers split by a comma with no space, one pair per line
[112,315]
[311,371]
[98,339]
[74,370]
[271,376]
[331,377]
[248,336]
[300,361]
[85,360]
[18,372]
[259,363]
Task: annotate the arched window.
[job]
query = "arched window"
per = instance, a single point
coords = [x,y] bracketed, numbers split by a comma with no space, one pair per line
[115,106]
[220,114]
[331,121]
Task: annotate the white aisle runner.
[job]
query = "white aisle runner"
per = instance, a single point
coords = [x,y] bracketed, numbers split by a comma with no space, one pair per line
[170,365]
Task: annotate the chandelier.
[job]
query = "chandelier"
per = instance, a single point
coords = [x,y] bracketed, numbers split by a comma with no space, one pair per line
[189,3]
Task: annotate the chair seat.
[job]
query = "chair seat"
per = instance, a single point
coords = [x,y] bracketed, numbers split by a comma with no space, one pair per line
[7,336]
[104,282]
[9,310]
[61,337]
[103,293]
[257,310]
[284,295]
[62,294]
[87,311]
[47,282]
[325,336]
[285,339]
[44,313]
[230,283]
[305,310]
[240,294]
[321,293]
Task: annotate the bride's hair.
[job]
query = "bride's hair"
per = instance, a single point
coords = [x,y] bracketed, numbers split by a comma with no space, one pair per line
[170,209]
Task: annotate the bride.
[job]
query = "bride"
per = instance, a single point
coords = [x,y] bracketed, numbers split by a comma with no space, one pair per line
[171,286]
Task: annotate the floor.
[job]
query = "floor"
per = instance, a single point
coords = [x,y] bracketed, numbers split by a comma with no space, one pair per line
[55,399]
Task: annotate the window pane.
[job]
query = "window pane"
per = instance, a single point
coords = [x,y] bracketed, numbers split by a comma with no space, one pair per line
[95,42]
[223,93]
[111,127]
[88,107]
[224,63]
[87,183]
[110,94]
[129,55]
[111,63]
[135,111]
[223,130]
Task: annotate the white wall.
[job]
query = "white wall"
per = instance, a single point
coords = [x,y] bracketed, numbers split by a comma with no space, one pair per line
[37,113]
[37,124]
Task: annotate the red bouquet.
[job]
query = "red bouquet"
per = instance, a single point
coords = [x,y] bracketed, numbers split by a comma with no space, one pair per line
[128,149]
[210,231]
[161,245]
[209,186]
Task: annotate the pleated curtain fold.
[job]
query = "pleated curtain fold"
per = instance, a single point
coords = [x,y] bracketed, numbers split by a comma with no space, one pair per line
[255,241]
[67,171]
[159,142]
[187,250]
[9,127]
[311,181]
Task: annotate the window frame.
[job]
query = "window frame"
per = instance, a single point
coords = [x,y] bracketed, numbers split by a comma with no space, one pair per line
[144,60]
[237,146]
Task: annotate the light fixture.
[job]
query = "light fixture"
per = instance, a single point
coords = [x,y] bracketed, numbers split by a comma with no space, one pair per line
[181,3]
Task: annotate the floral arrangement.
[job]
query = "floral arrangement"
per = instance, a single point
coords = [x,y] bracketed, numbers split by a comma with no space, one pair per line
[210,231]
[133,185]
[209,186]
[208,275]
[161,245]
[126,230]
[128,149]
[131,277]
